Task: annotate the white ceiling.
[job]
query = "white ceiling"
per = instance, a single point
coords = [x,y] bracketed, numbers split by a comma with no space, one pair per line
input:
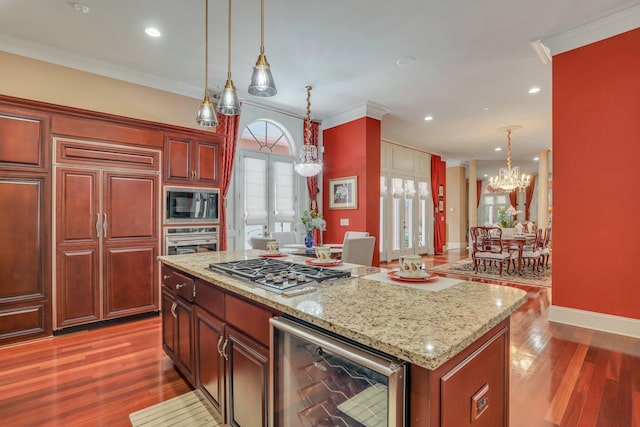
[474,63]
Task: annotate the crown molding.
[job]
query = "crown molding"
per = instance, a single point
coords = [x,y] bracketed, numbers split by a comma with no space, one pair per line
[41,52]
[369,109]
[591,32]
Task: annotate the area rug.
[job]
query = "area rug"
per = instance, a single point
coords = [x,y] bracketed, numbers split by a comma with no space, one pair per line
[464,269]
[190,409]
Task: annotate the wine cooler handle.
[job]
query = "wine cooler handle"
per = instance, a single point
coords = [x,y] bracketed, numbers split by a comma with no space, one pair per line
[104,226]
[220,342]
[224,350]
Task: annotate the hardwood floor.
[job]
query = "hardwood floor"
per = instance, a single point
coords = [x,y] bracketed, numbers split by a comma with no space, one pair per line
[560,375]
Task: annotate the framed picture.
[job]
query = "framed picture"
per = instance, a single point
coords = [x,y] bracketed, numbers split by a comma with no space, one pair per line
[441,190]
[343,193]
[441,205]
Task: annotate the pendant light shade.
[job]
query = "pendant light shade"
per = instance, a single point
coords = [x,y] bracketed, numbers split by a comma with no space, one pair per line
[206,114]
[262,83]
[228,103]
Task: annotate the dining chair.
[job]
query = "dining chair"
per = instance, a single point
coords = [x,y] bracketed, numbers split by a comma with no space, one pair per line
[359,250]
[545,251]
[259,242]
[354,234]
[487,246]
[531,253]
[285,237]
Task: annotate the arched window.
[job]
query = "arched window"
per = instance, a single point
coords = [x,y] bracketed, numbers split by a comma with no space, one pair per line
[266,136]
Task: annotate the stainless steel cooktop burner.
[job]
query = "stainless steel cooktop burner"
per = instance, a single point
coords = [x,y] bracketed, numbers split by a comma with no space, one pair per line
[278,275]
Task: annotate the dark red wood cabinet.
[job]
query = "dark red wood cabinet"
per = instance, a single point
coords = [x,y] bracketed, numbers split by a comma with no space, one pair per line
[192,161]
[230,344]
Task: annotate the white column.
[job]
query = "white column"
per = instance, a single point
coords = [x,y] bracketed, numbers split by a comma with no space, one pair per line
[473,195]
[543,189]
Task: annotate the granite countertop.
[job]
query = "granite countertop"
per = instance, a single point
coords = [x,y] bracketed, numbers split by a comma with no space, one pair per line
[422,327]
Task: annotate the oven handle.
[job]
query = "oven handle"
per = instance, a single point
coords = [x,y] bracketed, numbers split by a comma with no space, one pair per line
[190,242]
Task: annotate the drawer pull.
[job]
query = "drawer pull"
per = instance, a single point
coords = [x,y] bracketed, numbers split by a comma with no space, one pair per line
[219,349]
[224,350]
[173,309]
[180,285]
[166,276]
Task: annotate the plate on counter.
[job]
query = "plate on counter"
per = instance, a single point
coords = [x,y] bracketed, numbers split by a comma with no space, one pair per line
[274,255]
[330,263]
[423,278]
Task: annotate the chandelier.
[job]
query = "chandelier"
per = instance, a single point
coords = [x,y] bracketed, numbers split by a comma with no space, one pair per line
[509,178]
[308,164]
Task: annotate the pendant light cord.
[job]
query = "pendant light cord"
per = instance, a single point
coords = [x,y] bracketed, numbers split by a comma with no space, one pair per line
[261,27]
[509,149]
[229,45]
[307,132]
[206,47]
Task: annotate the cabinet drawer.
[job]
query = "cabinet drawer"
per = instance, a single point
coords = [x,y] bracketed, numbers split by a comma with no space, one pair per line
[249,318]
[181,284]
[210,298]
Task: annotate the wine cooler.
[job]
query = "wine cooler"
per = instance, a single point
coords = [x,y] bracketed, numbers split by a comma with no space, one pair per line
[319,380]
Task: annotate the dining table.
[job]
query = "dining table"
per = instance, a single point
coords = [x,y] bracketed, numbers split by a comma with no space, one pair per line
[518,242]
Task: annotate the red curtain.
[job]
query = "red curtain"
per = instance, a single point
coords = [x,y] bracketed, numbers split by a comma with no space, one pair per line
[513,198]
[312,181]
[228,126]
[438,238]
[528,198]
[478,190]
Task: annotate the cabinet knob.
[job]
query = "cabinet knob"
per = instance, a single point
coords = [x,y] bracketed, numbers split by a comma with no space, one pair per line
[166,276]
[180,285]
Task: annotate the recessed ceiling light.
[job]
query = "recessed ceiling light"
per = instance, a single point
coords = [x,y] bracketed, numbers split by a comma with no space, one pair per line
[152,32]
[485,109]
[535,159]
[498,148]
[428,118]
[405,61]
[486,175]
[534,89]
[79,7]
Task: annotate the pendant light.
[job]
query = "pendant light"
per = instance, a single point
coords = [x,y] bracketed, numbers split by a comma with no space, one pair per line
[309,164]
[262,83]
[206,114]
[229,104]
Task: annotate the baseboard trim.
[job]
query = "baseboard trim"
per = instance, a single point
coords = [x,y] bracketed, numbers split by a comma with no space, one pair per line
[597,321]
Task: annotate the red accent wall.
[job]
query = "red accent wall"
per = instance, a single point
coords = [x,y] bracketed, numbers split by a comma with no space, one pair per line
[353,149]
[596,171]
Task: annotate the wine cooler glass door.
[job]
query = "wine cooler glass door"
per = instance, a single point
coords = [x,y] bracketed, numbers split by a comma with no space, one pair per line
[318,380]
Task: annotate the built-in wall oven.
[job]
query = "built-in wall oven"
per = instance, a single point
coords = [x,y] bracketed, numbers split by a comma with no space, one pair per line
[190,240]
[191,205]
[321,380]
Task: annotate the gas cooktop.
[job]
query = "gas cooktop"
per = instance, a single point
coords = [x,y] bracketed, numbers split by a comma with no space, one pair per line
[278,275]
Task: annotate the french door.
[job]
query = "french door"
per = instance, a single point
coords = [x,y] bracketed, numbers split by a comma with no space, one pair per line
[406,224]
[268,199]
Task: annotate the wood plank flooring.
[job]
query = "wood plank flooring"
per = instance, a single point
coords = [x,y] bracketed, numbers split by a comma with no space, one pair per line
[560,375]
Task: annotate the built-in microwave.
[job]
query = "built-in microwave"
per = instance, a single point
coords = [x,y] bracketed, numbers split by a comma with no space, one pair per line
[191,205]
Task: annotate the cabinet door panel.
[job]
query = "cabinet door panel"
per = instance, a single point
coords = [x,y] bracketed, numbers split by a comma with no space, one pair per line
[178,159]
[184,339]
[131,206]
[22,139]
[209,363]
[22,250]
[248,381]
[168,324]
[206,162]
[77,205]
[78,299]
[129,280]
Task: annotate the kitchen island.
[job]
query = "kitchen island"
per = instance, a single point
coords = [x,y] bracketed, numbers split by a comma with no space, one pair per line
[456,340]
